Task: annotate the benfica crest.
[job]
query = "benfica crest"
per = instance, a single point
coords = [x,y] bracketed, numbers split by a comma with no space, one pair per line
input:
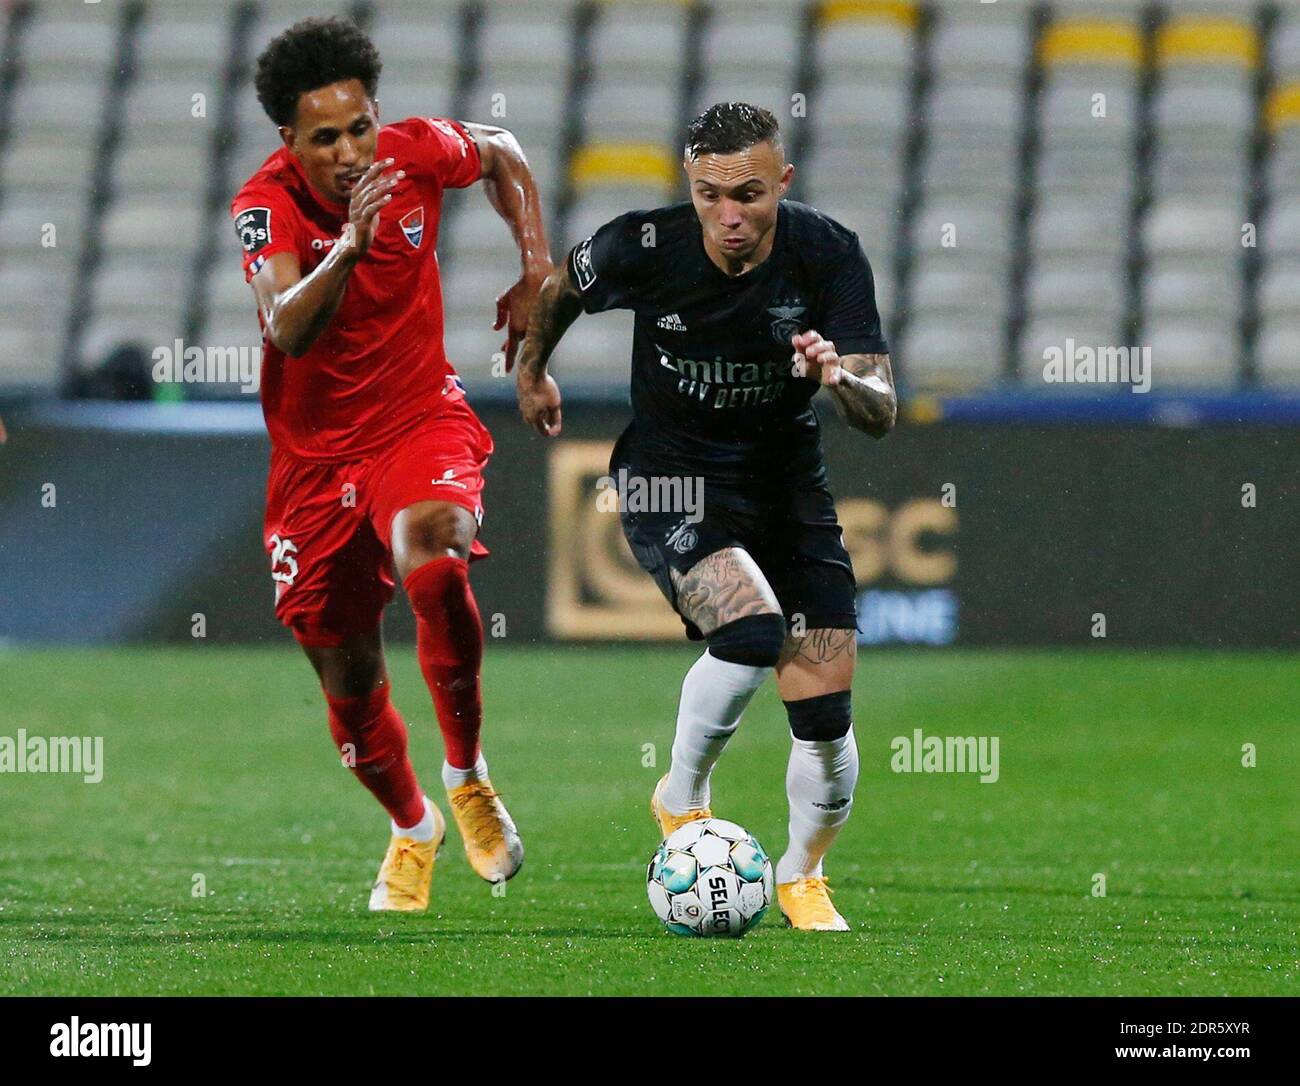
[412,224]
[786,322]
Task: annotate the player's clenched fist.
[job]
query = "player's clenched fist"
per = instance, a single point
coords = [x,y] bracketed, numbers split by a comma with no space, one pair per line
[372,191]
[816,358]
[539,402]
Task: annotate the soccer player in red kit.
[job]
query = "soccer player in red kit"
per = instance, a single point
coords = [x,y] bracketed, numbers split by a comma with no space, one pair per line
[377,458]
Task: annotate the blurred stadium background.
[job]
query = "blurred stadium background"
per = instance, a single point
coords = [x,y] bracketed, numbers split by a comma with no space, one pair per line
[1116,172]
[1112,536]
[901,116]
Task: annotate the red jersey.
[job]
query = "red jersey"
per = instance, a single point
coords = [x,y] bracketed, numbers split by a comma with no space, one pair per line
[379,367]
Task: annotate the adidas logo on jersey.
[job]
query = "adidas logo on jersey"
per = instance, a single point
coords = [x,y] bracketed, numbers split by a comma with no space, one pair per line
[672,322]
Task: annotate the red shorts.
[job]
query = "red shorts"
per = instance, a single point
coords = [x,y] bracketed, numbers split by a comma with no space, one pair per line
[328,527]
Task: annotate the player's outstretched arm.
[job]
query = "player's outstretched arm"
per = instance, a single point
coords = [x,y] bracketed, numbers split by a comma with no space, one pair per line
[558,305]
[298,308]
[862,385]
[510,188]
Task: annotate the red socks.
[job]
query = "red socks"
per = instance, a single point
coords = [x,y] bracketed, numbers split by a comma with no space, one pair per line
[449,643]
[371,737]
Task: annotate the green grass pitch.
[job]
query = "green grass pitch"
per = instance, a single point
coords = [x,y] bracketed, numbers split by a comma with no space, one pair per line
[217,763]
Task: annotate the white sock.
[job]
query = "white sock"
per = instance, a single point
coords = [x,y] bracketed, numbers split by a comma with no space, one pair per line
[714,694]
[454,778]
[821,775]
[422,830]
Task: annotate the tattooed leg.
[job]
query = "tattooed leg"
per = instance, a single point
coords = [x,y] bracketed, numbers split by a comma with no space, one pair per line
[819,662]
[723,587]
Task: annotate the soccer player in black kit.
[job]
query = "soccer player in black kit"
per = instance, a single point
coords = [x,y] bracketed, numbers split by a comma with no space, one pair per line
[746,304]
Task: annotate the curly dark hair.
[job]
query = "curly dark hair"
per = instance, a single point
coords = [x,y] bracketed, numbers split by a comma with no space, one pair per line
[729,127]
[310,54]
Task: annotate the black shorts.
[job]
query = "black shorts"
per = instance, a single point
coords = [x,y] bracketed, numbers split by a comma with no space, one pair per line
[792,534]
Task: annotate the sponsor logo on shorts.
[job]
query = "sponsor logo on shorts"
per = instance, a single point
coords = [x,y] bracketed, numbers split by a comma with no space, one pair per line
[582,266]
[412,224]
[449,479]
[254,228]
[683,538]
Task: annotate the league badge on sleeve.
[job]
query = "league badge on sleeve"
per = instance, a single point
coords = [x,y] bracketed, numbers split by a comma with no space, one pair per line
[254,228]
[584,270]
[412,224]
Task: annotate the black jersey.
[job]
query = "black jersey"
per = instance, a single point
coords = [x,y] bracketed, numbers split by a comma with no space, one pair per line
[713,388]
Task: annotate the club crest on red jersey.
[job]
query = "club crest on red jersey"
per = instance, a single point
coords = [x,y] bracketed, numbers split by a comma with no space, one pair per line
[412,224]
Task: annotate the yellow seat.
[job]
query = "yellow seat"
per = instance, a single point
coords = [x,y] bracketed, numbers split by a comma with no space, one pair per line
[602,164]
[1283,109]
[1091,41]
[1192,40]
[898,11]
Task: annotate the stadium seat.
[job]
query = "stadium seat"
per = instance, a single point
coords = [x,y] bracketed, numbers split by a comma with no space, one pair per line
[1077,287]
[1174,288]
[597,348]
[859,116]
[1282,115]
[957,286]
[974,228]
[1279,290]
[48,165]
[1204,118]
[1277,353]
[69,104]
[738,43]
[140,224]
[192,42]
[1191,353]
[637,39]
[638,164]
[1191,227]
[1055,331]
[855,37]
[644,110]
[1284,44]
[64,38]
[952,354]
[1280,234]
[986,41]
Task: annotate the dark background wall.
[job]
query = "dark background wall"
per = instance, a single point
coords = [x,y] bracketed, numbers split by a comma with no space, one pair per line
[971,534]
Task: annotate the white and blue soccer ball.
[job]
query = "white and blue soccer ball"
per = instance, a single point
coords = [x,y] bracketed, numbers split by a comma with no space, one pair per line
[710,877]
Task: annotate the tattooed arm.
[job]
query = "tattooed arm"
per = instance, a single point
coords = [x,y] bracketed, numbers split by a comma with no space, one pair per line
[862,385]
[558,305]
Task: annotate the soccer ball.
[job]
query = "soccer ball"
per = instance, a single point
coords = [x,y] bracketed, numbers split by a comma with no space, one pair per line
[710,877]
